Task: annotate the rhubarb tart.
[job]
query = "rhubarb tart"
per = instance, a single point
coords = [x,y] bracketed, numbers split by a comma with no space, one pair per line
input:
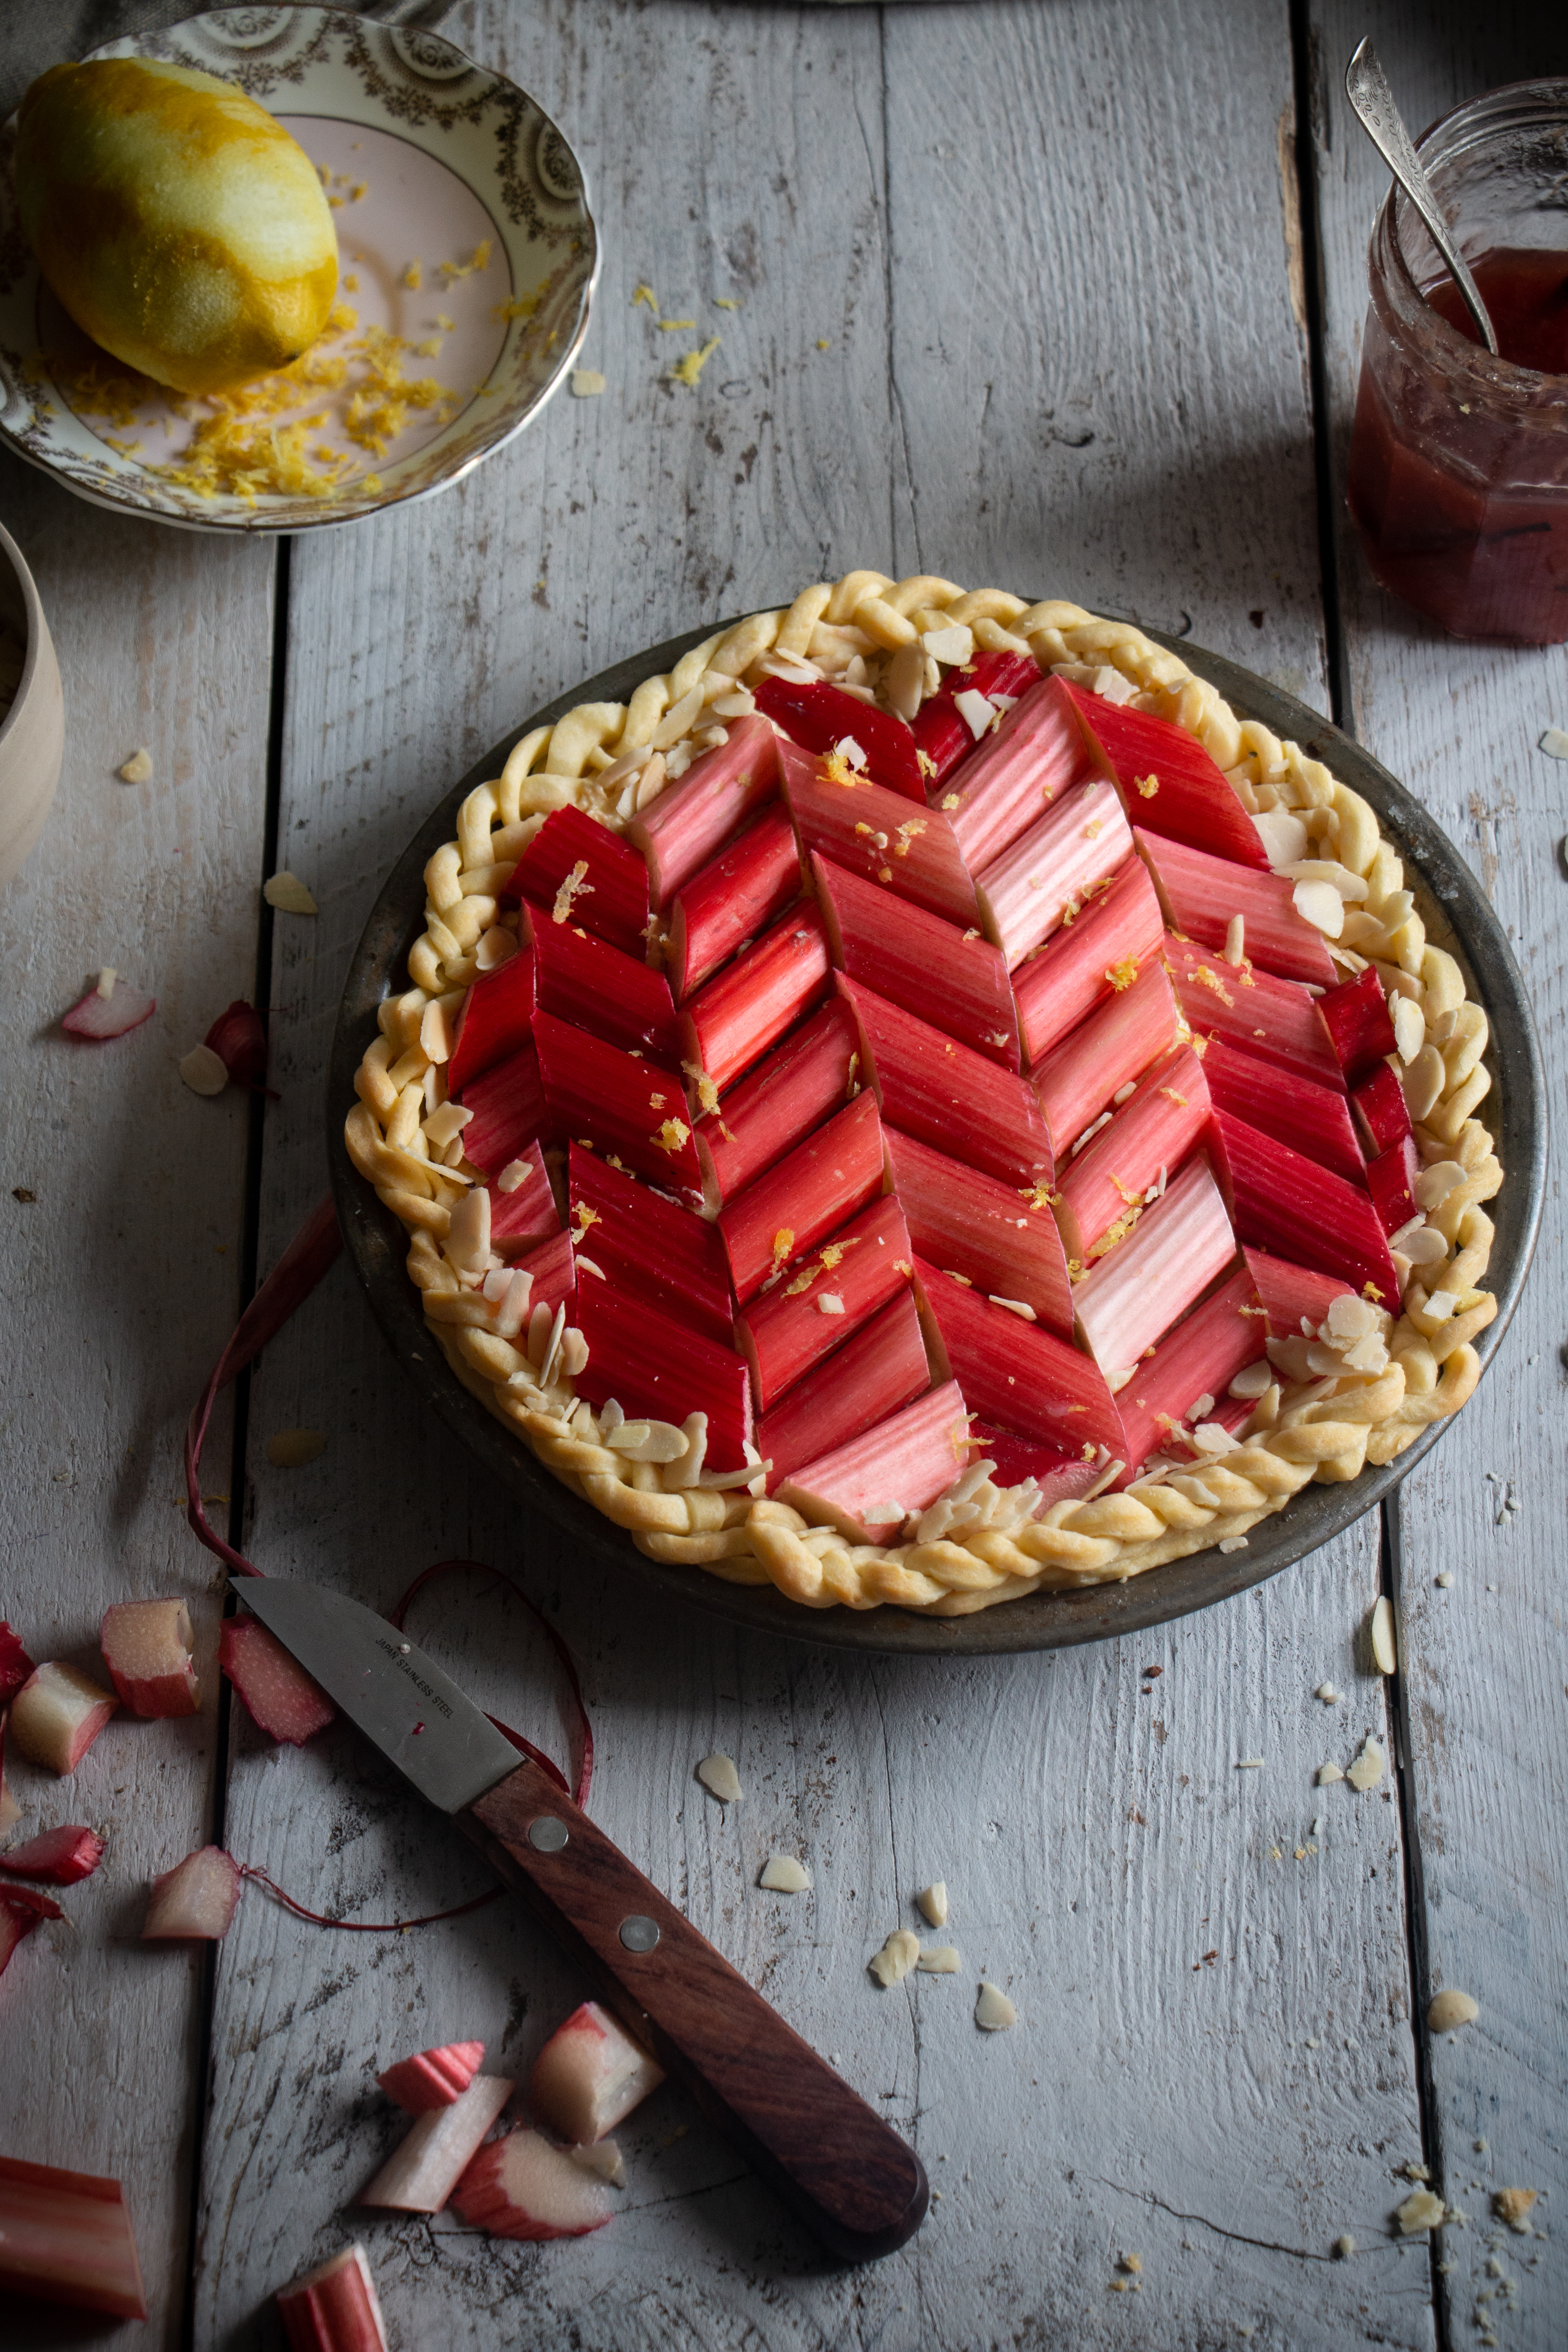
[924,1104]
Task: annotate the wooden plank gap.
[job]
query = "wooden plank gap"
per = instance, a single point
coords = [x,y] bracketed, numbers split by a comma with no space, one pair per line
[1306,261]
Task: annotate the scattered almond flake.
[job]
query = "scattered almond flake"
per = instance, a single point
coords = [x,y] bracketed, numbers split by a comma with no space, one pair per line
[849,752]
[1235,940]
[1445,1578]
[138,769]
[1251,1381]
[783,1875]
[1379,1636]
[1232,1543]
[898,1955]
[1327,1773]
[204,1071]
[290,1449]
[993,2013]
[1328,1694]
[604,2160]
[1449,2010]
[587,384]
[288,895]
[1513,2205]
[829,1303]
[1133,2263]
[1016,1307]
[933,1900]
[940,1961]
[1249,1764]
[1367,1770]
[1422,2210]
[688,370]
[1344,2247]
[1555,743]
[719,1776]
[977,714]
[1409,1036]
[1124,1094]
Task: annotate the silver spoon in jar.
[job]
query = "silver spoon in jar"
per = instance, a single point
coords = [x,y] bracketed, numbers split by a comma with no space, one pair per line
[1366,87]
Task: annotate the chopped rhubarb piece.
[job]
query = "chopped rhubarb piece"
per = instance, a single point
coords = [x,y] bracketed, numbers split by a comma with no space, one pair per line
[802,1082]
[575,870]
[497,1020]
[524,1215]
[1061,1477]
[1113,1047]
[431,2078]
[509,1112]
[520,2186]
[1310,1119]
[21,1910]
[1132,1296]
[1391,1180]
[649,1246]
[195,1900]
[939,1092]
[955,979]
[1088,960]
[1291,1292]
[653,1364]
[1005,1243]
[872,832]
[15,1665]
[147,1646]
[1067,857]
[868,1487]
[1380,1106]
[581,979]
[731,900]
[804,1198]
[552,1268]
[108,1012]
[942,733]
[1037,753]
[1203,895]
[239,1038]
[731,1023]
[57,1714]
[1276,1019]
[10,1811]
[690,821]
[793,1327]
[279,1696]
[870,1376]
[1102,1187]
[820,716]
[421,2173]
[1200,1357]
[1357,1018]
[335,2307]
[1168,781]
[65,2237]
[1017,1376]
[59,1857]
[589,2075]
[626,1106]
[1284,1203]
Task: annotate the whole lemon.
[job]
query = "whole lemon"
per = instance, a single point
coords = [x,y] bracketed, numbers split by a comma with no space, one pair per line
[180,225]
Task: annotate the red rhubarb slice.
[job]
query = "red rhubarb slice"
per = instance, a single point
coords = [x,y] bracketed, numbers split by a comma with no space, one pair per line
[939,1092]
[1277,1019]
[650,1247]
[1065,858]
[1391,1180]
[820,716]
[1112,1048]
[1100,1192]
[15,1665]
[802,1082]
[1312,1119]
[1133,1296]
[624,1104]
[955,979]
[1202,894]
[195,1902]
[1380,1106]
[66,2237]
[1357,1018]
[1015,1374]
[1168,781]
[1292,1295]
[868,1487]
[601,988]
[552,1269]
[1285,1203]
[575,870]
[787,1331]
[1003,1242]
[433,2078]
[942,731]
[509,1112]
[872,832]
[1037,753]
[690,821]
[335,2307]
[806,1196]
[731,900]
[59,1857]
[747,1007]
[523,1214]
[1200,1357]
[1088,960]
[147,1646]
[21,1910]
[1061,1477]
[279,1696]
[655,1366]
[497,1017]
[882,1366]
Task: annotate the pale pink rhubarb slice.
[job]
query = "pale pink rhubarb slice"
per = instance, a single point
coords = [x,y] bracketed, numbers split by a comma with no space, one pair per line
[1061,1477]
[147,1647]
[731,1023]
[521,2186]
[690,821]
[820,716]
[627,1106]
[882,1366]
[1285,1203]
[1291,1293]
[942,1093]
[654,1364]
[57,1714]
[1358,1021]
[509,1111]
[1111,1049]
[1132,1297]
[1312,1119]
[335,2307]
[1101,1190]
[1198,1359]
[875,833]
[1003,1241]
[734,898]
[805,1078]
[955,979]
[524,1215]
[65,2237]
[603,989]
[942,731]
[279,1696]
[575,870]
[825,1297]
[803,1199]
[1170,784]
[108,1012]
[1015,1375]
[496,1022]
[1037,754]
[1391,1180]
[868,1487]
[59,1857]
[1067,858]
[1276,1019]
[648,1246]
[421,2173]
[431,2078]
[1087,961]
[21,1910]
[589,2076]
[1381,1107]
[1202,894]
[15,1665]
[196,1900]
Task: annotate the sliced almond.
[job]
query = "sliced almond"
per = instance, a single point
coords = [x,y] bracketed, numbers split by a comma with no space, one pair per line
[1422,2210]
[933,1900]
[1450,2009]
[993,2013]
[898,1955]
[204,1071]
[783,1875]
[1367,1770]
[720,1777]
[288,895]
[940,1961]
[1379,1636]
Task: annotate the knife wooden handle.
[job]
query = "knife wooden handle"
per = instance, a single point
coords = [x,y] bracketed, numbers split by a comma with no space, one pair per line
[847,2174]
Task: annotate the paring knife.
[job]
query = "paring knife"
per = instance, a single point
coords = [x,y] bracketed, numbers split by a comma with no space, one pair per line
[848,2176]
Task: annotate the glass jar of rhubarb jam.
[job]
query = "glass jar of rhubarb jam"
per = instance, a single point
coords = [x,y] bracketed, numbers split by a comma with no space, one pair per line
[1459,471]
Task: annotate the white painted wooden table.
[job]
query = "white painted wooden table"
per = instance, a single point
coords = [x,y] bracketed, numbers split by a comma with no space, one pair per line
[1090,280]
